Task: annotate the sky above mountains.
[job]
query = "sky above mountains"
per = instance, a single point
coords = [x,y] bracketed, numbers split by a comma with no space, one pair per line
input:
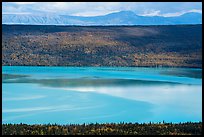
[166,9]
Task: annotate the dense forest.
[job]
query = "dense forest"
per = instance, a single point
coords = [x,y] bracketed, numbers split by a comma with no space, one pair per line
[104,129]
[155,46]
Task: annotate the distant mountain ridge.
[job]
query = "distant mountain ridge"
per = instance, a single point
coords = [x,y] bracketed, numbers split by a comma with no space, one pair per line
[117,18]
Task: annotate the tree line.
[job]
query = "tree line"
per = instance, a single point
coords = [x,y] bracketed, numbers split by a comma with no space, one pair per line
[188,128]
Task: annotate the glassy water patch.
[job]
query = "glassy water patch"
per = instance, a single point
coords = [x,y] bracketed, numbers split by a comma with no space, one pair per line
[63,95]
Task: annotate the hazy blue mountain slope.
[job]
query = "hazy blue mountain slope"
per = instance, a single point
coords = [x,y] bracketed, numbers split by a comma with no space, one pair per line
[118,18]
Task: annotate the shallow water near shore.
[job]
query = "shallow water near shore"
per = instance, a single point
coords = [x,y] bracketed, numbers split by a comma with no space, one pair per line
[63,95]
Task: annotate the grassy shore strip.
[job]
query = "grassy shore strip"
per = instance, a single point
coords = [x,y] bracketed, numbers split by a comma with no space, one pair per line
[187,128]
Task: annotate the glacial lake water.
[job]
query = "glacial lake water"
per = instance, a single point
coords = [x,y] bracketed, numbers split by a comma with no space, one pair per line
[64,95]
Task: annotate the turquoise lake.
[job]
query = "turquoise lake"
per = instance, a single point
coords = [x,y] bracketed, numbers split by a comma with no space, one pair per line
[64,95]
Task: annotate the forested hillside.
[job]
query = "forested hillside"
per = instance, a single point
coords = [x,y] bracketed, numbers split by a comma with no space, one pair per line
[36,45]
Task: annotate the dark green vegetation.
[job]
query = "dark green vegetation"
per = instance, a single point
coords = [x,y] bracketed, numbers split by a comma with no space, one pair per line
[104,129]
[174,46]
[182,73]
[83,82]
[10,76]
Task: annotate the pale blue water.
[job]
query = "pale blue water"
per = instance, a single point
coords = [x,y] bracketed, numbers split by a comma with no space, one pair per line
[63,95]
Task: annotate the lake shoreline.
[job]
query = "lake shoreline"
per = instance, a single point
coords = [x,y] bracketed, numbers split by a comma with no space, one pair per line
[103,66]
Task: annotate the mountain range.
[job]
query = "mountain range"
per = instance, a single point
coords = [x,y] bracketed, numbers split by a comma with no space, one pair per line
[117,18]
